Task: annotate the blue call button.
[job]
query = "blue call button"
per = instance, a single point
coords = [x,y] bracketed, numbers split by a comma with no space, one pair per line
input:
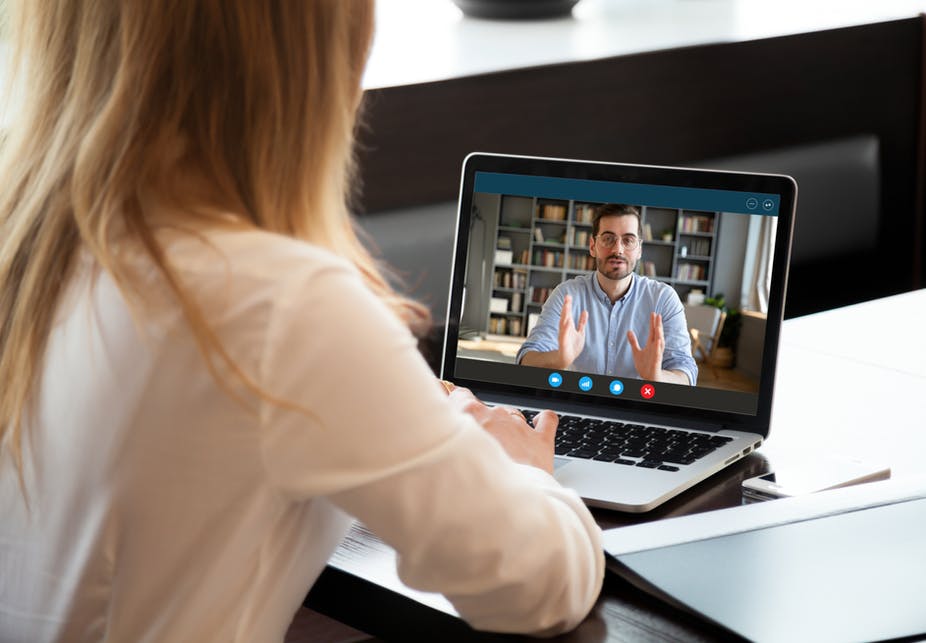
[555,380]
[616,387]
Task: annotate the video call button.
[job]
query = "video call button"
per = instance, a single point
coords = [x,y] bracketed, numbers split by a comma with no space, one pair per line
[555,380]
[648,391]
[616,387]
[585,383]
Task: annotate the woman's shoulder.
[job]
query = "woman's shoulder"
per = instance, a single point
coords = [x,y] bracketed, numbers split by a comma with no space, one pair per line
[249,254]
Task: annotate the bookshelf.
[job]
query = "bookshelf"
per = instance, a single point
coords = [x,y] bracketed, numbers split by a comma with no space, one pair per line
[541,242]
[679,248]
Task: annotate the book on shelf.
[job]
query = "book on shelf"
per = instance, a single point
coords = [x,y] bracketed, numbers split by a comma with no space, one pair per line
[498,305]
[699,247]
[691,272]
[516,299]
[647,232]
[505,325]
[649,268]
[503,279]
[697,223]
[503,243]
[580,237]
[548,258]
[523,256]
[538,235]
[511,279]
[581,262]
[552,211]
[539,295]
[498,325]
[585,212]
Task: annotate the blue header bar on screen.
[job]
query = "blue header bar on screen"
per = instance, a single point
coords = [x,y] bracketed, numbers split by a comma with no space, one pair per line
[659,196]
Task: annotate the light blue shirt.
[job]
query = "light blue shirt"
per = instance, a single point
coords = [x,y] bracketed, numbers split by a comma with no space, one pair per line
[607,350]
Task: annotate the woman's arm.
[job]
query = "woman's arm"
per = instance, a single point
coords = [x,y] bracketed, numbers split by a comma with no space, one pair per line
[512,549]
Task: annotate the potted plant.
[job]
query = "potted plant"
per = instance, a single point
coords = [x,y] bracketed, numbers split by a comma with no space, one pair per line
[724,355]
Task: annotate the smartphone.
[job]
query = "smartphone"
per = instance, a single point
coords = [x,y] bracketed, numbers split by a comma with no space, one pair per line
[808,476]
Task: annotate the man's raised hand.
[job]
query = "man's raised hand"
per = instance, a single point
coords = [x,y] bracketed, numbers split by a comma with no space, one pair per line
[571,336]
[648,360]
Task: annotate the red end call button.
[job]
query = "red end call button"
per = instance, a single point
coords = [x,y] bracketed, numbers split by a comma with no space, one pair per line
[648,391]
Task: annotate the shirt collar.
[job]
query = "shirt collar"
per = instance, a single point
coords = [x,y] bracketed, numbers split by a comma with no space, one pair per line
[631,290]
[603,296]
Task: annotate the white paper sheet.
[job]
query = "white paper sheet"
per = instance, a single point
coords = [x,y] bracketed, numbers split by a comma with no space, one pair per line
[674,531]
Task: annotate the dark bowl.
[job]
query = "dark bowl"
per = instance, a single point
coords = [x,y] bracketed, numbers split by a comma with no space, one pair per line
[516,9]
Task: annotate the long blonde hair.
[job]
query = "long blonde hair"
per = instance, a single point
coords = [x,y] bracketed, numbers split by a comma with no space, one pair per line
[264,95]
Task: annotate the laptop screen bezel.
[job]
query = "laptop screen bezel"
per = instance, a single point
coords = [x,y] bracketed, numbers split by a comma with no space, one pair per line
[641,174]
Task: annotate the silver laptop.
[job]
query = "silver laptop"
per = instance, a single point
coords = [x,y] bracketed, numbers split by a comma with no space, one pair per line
[558,262]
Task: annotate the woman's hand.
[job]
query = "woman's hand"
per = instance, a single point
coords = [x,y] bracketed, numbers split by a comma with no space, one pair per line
[524,443]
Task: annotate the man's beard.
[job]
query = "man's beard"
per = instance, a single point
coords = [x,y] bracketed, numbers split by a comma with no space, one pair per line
[618,271]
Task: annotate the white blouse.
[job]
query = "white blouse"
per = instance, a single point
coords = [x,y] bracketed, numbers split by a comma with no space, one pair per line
[164,508]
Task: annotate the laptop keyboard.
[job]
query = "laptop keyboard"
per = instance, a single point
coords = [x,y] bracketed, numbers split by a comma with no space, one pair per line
[631,444]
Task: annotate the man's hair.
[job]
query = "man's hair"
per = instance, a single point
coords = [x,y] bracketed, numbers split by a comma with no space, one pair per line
[615,210]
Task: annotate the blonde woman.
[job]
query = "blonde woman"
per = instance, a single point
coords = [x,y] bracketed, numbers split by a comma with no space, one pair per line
[203,374]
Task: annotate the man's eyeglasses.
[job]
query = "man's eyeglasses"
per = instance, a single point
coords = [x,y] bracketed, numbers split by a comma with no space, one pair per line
[628,241]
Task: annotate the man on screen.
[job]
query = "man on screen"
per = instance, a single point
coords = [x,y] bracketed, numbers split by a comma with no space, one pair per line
[594,323]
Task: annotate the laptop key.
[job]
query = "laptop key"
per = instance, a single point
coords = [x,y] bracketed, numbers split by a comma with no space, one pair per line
[657,448]
[653,456]
[648,464]
[583,453]
[667,467]
[678,459]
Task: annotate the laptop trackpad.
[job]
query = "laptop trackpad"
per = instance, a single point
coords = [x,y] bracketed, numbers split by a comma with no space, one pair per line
[559,462]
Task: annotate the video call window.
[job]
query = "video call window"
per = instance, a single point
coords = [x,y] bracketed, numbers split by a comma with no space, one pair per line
[718,264]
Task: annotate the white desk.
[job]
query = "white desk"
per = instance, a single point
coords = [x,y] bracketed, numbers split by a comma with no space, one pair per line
[425,40]
[834,393]
[853,380]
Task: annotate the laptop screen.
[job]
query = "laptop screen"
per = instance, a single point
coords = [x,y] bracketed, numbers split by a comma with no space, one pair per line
[627,287]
